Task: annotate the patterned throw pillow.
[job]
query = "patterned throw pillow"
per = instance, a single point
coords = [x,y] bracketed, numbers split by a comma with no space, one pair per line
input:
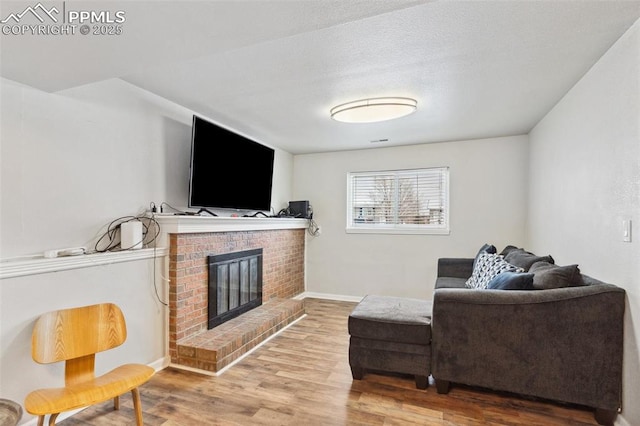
[486,248]
[487,267]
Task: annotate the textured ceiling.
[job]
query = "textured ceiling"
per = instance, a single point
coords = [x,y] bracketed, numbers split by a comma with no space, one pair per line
[273,69]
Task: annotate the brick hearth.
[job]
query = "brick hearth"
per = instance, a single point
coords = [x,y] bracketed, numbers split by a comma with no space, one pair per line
[214,349]
[190,343]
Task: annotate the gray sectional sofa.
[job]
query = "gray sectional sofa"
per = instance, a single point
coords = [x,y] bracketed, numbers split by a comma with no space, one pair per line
[561,339]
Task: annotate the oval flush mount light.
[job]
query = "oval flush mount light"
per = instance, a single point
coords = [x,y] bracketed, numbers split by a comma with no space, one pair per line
[373,110]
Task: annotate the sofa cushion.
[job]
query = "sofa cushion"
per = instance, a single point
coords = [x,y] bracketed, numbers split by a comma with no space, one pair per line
[511,281]
[393,319]
[505,251]
[547,276]
[455,267]
[486,248]
[487,267]
[525,259]
[451,282]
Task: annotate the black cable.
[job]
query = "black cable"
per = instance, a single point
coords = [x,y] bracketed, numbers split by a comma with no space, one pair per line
[164,203]
[256,214]
[112,234]
[206,211]
[313,229]
[283,213]
[114,244]
[157,227]
[155,247]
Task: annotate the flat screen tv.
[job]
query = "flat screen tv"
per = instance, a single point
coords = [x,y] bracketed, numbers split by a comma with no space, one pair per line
[228,170]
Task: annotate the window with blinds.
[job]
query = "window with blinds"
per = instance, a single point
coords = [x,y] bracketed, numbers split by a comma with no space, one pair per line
[399,201]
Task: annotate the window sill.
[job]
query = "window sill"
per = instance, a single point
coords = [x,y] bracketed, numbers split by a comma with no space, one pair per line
[399,231]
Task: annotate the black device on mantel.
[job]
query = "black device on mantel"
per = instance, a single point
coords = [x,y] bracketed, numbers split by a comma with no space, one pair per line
[300,209]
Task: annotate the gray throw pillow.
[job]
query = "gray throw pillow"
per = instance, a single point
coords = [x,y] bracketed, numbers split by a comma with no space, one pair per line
[525,259]
[547,276]
[508,249]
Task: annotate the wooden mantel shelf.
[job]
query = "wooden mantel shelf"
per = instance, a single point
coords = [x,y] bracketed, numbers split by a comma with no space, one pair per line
[171,224]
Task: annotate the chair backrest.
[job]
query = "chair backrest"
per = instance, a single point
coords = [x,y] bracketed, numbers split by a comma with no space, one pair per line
[77,332]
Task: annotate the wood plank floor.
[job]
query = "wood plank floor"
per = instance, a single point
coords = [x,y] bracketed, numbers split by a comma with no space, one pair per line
[302,377]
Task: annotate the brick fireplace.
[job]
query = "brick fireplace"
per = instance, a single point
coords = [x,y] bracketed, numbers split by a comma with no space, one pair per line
[190,343]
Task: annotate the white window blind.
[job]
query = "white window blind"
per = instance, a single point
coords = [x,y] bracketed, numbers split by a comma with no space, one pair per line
[411,201]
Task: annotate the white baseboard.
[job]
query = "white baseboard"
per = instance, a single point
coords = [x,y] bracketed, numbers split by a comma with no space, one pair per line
[621,421]
[193,370]
[161,363]
[340,297]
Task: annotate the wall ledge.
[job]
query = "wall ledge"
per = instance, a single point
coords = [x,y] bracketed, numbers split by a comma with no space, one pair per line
[172,224]
[40,265]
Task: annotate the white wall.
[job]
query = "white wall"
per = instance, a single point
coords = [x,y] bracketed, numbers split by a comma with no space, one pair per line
[71,162]
[487,200]
[129,285]
[282,187]
[75,160]
[585,179]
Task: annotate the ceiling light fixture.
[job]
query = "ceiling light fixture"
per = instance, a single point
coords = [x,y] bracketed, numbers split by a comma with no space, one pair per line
[373,110]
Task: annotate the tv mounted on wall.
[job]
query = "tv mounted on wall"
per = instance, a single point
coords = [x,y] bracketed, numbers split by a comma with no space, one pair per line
[228,170]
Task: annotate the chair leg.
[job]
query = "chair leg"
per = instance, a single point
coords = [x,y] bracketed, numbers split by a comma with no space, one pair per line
[137,406]
[40,420]
[52,419]
[116,403]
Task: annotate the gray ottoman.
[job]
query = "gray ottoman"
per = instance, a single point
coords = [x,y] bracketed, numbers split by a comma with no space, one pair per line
[391,334]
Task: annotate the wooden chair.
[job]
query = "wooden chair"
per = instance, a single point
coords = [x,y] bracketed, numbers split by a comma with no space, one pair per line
[75,336]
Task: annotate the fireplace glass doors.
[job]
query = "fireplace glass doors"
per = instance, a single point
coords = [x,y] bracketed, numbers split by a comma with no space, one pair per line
[235,284]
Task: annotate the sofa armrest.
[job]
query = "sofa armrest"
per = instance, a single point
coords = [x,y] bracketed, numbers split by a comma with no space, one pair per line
[455,267]
[563,344]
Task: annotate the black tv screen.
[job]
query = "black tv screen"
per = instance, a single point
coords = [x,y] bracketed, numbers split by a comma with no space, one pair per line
[228,170]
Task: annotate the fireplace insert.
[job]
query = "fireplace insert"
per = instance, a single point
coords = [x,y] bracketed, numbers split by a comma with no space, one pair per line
[235,285]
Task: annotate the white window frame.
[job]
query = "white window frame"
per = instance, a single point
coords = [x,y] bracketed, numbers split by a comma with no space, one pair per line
[396,228]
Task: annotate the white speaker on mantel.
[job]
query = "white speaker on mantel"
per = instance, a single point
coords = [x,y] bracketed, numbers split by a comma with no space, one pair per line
[131,235]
